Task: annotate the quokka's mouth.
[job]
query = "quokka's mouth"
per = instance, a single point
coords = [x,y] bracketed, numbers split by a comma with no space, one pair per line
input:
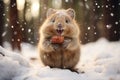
[59,31]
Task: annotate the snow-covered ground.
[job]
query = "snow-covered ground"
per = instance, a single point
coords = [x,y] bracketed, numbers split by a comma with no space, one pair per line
[99,60]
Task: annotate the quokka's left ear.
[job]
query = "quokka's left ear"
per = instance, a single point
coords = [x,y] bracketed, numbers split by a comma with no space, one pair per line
[50,11]
[71,13]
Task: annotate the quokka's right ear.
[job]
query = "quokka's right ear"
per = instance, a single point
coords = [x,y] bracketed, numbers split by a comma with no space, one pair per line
[50,11]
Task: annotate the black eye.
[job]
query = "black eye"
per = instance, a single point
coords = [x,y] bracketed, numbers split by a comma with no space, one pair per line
[67,21]
[53,20]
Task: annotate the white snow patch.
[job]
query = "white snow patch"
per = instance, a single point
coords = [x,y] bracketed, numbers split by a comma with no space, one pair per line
[99,60]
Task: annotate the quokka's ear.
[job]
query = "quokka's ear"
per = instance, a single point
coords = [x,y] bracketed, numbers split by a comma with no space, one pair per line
[71,13]
[50,11]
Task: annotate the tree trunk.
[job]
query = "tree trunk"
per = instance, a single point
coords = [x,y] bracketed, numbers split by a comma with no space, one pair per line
[15,26]
[1,21]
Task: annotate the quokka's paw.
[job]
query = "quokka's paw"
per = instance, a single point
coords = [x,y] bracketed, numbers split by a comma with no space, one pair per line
[66,43]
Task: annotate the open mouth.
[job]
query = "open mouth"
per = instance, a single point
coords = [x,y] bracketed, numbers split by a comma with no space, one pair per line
[60,31]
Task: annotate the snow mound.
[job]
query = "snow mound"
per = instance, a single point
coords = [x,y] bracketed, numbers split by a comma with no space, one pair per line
[99,60]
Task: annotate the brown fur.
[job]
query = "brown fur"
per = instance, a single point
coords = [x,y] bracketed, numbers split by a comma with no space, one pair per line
[65,55]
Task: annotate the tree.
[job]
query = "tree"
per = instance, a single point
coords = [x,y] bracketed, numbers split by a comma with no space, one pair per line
[15,26]
[1,20]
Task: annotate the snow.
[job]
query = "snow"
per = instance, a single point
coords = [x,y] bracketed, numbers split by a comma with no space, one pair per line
[99,60]
[116,23]
[108,26]
[88,28]
[111,14]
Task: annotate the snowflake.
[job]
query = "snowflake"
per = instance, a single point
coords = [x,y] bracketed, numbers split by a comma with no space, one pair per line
[45,7]
[116,23]
[22,29]
[15,32]
[18,40]
[66,0]
[25,23]
[17,22]
[93,9]
[3,14]
[102,15]
[12,26]
[29,39]
[106,6]
[111,14]
[115,32]
[95,33]
[88,28]
[6,25]
[87,6]
[113,6]
[29,30]
[109,26]
[13,40]
[118,3]
[13,5]
[98,6]
[4,33]
[86,34]
[31,42]
[102,6]
[8,20]
[85,37]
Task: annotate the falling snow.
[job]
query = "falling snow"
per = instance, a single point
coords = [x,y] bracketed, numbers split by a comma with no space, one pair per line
[29,30]
[29,39]
[12,40]
[22,29]
[106,6]
[116,23]
[15,32]
[7,20]
[13,5]
[4,33]
[113,6]
[86,34]
[3,14]
[95,33]
[17,22]
[6,25]
[111,14]
[66,0]
[98,6]
[118,3]
[18,40]
[12,26]
[109,26]
[115,32]
[88,28]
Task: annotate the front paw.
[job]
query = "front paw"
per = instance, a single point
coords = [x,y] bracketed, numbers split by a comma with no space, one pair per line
[56,47]
[66,43]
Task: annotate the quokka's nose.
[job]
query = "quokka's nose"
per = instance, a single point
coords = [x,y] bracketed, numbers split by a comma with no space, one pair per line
[59,29]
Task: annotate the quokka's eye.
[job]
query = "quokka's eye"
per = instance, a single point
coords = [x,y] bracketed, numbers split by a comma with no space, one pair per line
[53,20]
[67,21]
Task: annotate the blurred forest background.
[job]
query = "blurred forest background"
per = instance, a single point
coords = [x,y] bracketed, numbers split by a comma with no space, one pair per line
[21,19]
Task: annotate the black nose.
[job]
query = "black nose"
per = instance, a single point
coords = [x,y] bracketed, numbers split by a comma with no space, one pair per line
[59,29]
